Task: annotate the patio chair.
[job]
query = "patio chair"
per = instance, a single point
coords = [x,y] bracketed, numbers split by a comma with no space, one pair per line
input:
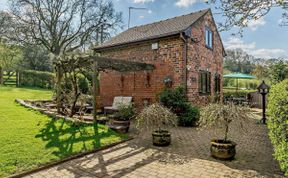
[118,101]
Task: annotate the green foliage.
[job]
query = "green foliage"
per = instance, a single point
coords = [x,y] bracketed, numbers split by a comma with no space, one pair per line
[278,71]
[30,139]
[36,57]
[33,78]
[176,100]
[189,117]
[278,122]
[83,84]
[10,56]
[230,93]
[125,112]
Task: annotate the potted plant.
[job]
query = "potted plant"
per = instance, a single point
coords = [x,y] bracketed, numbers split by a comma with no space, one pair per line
[120,121]
[158,118]
[222,116]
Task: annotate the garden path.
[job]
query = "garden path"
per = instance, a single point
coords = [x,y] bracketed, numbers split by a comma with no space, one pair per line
[188,156]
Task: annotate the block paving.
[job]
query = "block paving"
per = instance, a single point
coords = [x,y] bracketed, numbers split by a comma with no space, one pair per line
[187,156]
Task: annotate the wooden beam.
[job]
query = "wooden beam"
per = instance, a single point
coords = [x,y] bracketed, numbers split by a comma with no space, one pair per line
[95,89]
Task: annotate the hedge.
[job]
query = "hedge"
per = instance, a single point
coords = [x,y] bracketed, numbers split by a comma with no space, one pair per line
[33,78]
[229,93]
[278,122]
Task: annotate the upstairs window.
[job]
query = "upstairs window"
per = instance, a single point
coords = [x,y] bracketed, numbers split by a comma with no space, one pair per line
[208,38]
[204,82]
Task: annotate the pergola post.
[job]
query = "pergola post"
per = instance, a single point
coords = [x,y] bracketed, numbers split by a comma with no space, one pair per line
[95,89]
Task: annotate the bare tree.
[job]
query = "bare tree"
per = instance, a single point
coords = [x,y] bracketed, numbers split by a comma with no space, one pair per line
[240,12]
[61,26]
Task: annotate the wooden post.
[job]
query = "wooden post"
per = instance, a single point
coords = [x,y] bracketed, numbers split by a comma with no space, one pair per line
[1,76]
[59,75]
[95,89]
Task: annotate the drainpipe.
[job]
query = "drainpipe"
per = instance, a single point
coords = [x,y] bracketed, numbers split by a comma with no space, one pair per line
[185,48]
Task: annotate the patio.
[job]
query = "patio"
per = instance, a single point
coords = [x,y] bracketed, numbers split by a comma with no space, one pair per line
[188,156]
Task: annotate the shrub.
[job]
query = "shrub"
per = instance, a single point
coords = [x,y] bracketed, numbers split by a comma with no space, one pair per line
[232,93]
[189,117]
[176,100]
[83,84]
[35,78]
[155,117]
[278,122]
[125,112]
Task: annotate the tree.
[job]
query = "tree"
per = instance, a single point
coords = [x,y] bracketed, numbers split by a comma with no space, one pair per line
[278,71]
[61,26]
[9,58]
[240,12]
[260,71]
[36,58]
[238,61]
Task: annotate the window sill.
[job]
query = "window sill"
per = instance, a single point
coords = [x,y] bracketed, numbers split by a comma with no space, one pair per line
[204,94]
[208,47]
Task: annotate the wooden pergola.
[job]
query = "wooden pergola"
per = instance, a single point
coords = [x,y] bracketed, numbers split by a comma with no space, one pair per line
[99,64]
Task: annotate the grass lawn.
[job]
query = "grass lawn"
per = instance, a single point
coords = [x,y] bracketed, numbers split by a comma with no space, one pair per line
[29,139]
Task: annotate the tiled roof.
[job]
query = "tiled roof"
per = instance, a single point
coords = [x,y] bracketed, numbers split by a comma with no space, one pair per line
[154,30]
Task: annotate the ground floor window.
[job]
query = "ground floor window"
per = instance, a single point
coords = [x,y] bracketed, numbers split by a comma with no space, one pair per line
[217,81]
[204,82]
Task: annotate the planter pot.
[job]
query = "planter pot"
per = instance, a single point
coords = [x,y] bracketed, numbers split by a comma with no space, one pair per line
[223,150]
[121,126]
[161,138]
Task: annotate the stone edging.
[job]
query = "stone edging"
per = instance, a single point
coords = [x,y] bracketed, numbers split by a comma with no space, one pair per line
[55,163]
[48,113]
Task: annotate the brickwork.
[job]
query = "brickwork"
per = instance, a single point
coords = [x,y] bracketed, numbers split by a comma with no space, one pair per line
[169,61]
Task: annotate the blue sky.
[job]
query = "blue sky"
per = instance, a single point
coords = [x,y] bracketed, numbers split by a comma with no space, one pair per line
[263,38]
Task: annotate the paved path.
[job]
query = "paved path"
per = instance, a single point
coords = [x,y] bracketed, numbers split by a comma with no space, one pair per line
[188,156]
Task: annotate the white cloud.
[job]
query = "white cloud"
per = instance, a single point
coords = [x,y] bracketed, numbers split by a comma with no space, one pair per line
[142,1]
[141,17]
[235,43]
[254,24]
[185,3]
[250,48]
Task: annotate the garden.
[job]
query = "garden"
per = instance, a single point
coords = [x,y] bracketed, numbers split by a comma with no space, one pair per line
[30,139]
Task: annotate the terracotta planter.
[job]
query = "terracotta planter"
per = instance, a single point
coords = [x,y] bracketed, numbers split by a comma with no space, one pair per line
[161,138]
[223,150]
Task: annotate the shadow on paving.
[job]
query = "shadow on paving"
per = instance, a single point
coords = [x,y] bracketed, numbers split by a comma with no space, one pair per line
[254,149]
[190,146]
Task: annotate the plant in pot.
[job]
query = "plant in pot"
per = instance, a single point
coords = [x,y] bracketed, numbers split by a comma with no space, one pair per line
[159,119]
[222,116]
[120,121]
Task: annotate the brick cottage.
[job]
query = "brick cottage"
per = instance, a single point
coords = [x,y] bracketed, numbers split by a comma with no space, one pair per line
[186,49]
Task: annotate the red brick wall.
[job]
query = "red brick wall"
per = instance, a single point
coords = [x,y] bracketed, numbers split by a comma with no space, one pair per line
[202,58]
[168,60]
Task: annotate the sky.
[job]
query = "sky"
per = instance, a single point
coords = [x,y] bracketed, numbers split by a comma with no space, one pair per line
[263,38]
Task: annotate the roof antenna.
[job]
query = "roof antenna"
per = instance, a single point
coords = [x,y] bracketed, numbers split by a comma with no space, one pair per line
[134,8]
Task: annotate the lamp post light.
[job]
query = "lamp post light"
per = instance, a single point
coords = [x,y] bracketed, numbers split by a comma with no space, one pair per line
[263,89]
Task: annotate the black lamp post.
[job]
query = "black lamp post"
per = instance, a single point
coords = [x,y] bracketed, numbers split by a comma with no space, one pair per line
[263,89]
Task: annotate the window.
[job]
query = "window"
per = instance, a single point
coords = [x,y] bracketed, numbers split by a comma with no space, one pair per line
[208,38]
[204,82]
[217,83]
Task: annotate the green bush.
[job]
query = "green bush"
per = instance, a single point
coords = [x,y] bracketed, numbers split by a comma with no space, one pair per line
[33,78]
[83,84]
[189,117]
[176,100]
[278,122]
[232,93]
